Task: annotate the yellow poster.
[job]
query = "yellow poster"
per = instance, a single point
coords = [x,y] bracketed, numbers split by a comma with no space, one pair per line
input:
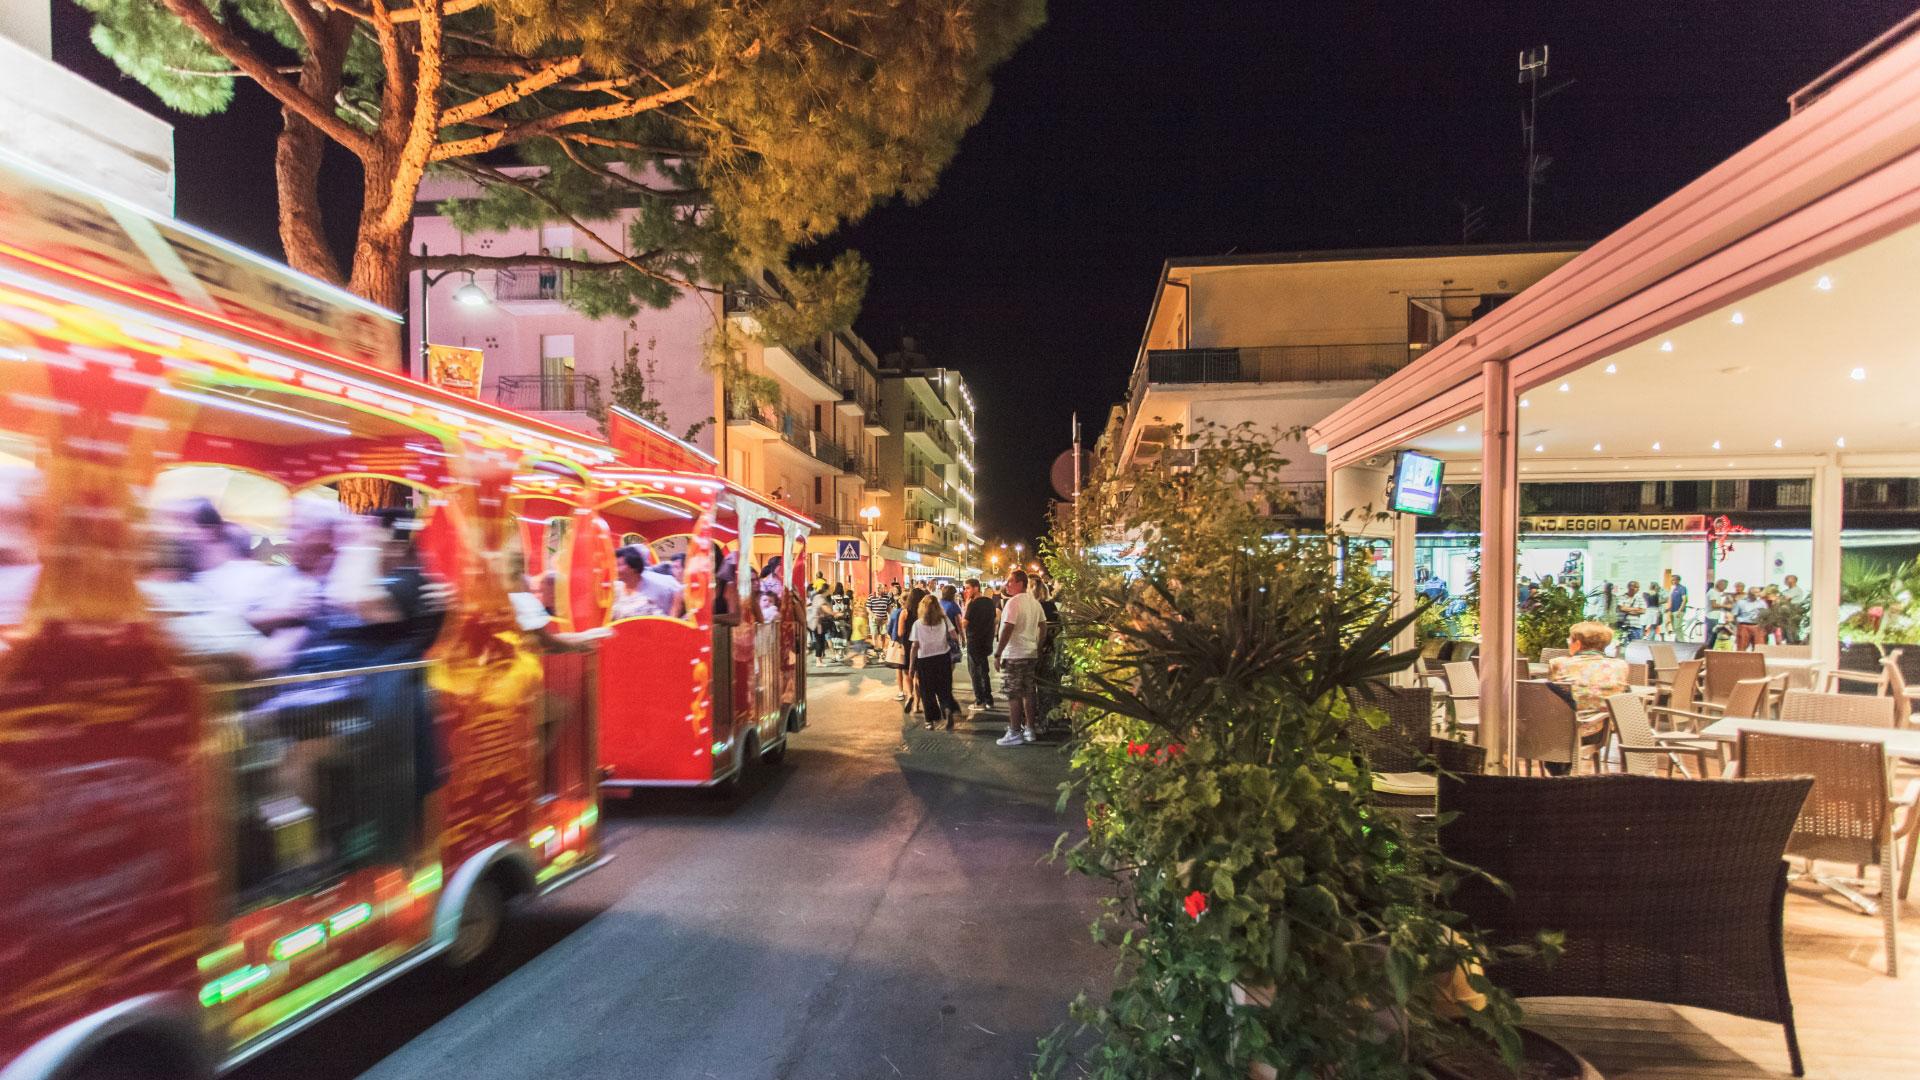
[454,368]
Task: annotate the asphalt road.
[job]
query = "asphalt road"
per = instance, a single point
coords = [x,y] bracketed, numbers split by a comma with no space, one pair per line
[876,907]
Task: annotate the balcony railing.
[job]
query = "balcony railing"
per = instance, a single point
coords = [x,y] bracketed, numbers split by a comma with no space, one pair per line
[548,393]
[931,481]
[510,286]
[1277,363]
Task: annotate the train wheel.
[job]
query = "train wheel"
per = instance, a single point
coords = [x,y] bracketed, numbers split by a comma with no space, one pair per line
[481,918]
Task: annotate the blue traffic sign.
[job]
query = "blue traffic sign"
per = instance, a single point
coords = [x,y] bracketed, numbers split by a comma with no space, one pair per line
[849,551]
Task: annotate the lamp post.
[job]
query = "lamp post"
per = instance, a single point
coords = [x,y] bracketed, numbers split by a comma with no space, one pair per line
[873,534]
[470,295]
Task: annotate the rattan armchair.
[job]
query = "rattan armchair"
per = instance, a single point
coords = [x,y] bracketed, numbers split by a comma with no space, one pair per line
[1548,654]
[1666,663]
[1403,754]
[1463,693]
[1814,707]
[1546,728]
[1642,749]
[1665,890]
[1867,682]
[1723,670]
[1849,816]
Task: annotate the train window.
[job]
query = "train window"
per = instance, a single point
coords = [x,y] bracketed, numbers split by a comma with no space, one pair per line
[20,497]
[312,623]
[650,563]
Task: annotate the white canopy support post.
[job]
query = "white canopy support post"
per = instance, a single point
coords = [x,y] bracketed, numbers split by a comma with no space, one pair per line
[1404,598]
[1499,544]
[1823,592]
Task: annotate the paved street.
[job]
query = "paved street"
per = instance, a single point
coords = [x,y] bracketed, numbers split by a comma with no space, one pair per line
[875,907]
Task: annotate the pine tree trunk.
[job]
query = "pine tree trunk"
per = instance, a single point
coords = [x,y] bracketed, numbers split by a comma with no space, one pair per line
[299,151]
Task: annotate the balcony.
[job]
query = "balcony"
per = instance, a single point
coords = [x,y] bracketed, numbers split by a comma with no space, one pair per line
[922,533]
[549,393]
[803,368]
[870,483]
[850,403]
[873,423]
[1276,363]
[927,481]
[930,436]
[532,292]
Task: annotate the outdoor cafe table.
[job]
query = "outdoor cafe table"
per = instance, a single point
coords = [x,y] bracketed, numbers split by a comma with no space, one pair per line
[1897,742]
[1800,671]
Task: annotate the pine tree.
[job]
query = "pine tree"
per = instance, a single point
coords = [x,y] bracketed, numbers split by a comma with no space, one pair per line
[736,130]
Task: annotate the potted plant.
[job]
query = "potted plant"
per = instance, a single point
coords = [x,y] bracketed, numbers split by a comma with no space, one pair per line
[1272,919]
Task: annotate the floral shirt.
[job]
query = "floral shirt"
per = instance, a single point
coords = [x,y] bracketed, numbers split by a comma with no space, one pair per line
[1593,677]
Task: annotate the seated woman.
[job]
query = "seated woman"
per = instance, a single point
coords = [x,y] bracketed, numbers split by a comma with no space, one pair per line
[1587,672]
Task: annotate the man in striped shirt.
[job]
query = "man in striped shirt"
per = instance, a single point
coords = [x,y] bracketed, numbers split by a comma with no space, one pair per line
[879,608]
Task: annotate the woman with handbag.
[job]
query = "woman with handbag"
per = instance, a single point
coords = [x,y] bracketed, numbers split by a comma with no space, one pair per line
[903,619]
[930,654]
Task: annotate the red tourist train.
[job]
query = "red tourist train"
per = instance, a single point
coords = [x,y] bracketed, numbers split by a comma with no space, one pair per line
[307,669]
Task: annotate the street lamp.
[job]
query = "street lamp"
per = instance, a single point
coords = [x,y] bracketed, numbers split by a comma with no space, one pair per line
[468,295]
[873,534]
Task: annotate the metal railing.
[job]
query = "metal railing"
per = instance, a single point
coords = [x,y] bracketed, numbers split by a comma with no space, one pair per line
[932,482]
[1277,363]
[548,393]
[528,285]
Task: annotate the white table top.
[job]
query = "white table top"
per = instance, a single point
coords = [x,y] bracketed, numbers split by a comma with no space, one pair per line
[1898,742]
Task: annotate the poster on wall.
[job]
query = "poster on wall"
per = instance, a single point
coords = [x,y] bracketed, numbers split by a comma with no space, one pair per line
[454,368]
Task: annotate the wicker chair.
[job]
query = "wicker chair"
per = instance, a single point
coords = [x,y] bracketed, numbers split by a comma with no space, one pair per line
[1463,693]
[1639,675]
[1724,669]
[1785,652]
[1546,728]
[1848,817]
[1548,654]
[1403,753]
[1642,748]
[1666,664]
[1666,890]
[1843,679]
[1813,707]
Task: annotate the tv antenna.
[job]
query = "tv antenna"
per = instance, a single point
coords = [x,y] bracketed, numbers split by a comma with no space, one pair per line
[1533,72]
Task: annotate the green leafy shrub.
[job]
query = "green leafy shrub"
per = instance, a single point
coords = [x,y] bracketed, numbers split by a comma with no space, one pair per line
[1265,909]
[1545,621]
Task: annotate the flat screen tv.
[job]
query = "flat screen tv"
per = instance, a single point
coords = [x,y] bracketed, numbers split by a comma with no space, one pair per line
[1416,483]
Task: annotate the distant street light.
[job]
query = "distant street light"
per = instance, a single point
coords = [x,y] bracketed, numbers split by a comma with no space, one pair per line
[874,535]
[468,295]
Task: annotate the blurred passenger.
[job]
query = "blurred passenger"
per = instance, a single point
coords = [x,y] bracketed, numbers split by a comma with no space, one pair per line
[19,554]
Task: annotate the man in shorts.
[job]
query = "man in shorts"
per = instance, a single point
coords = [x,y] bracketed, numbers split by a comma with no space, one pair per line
[1022,621]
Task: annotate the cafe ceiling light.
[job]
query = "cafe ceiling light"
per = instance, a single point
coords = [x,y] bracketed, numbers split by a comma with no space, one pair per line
[1525,404]
[1716,444]
[1777,444]
[1858,374]
[1656,446]
[1613,369]
[1666,346]
[1825,284]
[1596,448]
[1841,442]
[1540,448]
[1462,427]
[1565,386]
[1738,318]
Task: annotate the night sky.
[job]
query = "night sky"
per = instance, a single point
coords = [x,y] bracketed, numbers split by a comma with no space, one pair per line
[1128,132]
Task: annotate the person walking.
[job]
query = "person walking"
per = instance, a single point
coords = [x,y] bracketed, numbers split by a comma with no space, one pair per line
[1719,610]
[904,617]
[879,613]
[820,621]
[1630,610]
[1747,611]
[977,620]
[1018,656]
[929,652]
[1676,608]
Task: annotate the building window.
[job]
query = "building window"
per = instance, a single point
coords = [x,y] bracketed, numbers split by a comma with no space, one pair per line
[819,492]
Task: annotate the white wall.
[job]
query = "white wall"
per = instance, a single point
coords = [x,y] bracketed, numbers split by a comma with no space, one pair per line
[66,124]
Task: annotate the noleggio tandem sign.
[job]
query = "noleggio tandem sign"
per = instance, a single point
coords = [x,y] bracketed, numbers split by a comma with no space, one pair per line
[1616,523]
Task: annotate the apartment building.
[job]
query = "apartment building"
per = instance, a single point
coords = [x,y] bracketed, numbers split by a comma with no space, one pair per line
[1283,340]
[798,422]
[927,455]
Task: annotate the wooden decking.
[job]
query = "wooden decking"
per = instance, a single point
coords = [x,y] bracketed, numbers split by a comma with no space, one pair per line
[1855,1022]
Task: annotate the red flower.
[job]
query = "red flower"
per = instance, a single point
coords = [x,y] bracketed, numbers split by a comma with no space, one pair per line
[1172,750]
[1196,905]
[1139,749]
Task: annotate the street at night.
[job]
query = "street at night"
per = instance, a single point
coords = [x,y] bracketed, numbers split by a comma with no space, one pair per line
[879,905]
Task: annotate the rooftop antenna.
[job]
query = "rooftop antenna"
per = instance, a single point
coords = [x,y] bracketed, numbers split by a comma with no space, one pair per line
[1533,72]
[1473,221]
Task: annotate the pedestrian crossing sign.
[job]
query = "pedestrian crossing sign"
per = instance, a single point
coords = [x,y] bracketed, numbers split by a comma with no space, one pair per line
[849,551]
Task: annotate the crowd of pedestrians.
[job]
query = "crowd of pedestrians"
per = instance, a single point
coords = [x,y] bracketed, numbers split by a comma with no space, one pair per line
[924,634]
